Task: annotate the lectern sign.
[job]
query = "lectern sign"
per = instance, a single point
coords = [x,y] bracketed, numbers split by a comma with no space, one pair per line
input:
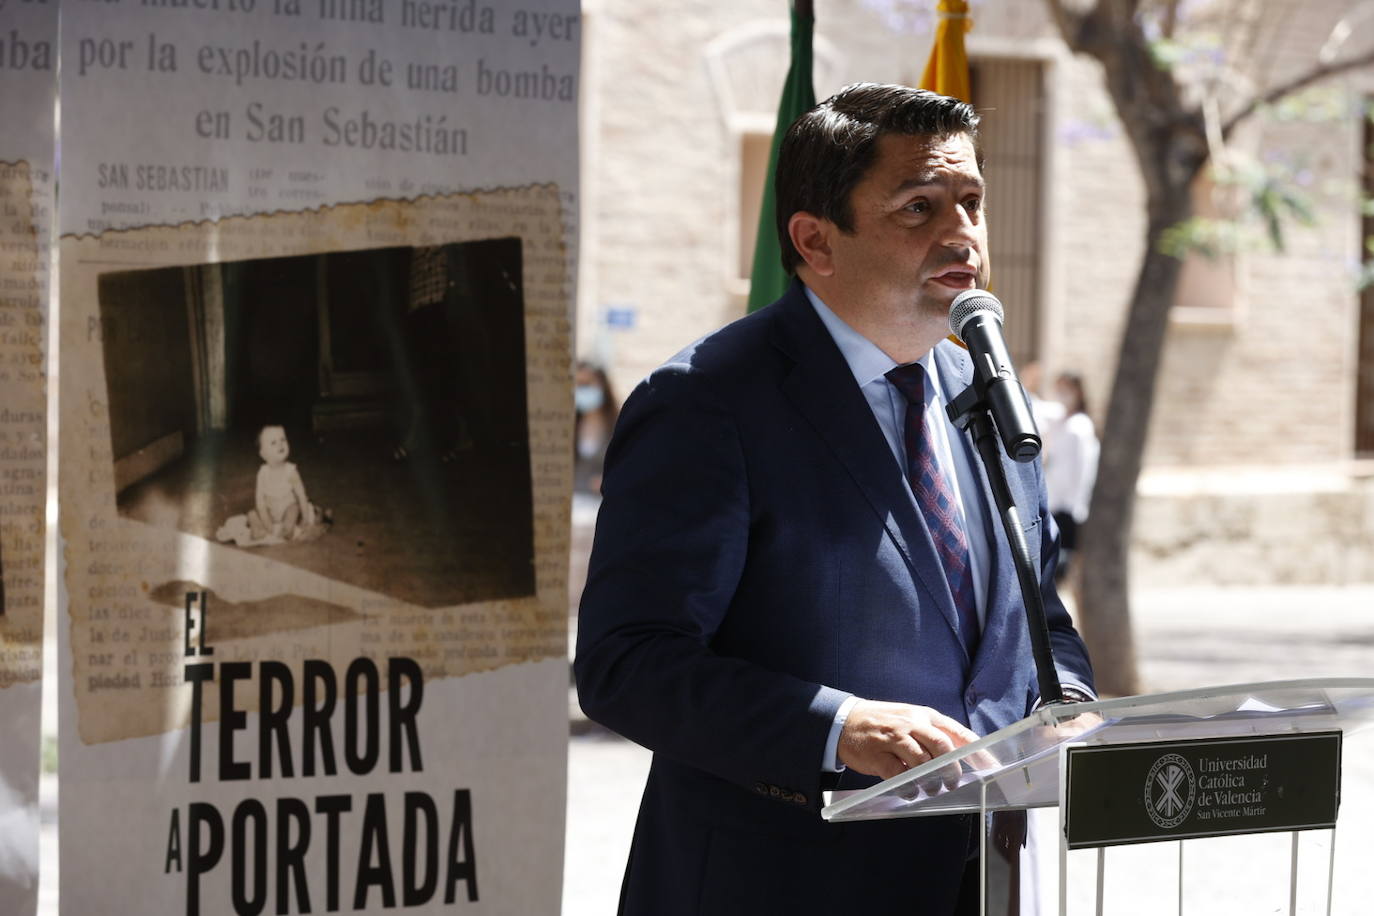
[1141,793]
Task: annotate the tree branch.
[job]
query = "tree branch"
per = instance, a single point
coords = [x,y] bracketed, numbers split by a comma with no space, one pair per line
[1129,8]
[1070,24]
[1301,81]
[1170,19]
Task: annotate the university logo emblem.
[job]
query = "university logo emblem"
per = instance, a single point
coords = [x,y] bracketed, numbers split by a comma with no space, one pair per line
[1169,791]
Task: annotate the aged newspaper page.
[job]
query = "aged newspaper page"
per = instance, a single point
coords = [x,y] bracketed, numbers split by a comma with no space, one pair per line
[316,452]
[28,83]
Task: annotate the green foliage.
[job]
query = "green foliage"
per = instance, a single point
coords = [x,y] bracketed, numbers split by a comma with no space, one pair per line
[1194,55]
[1318,104]
[1254,201]
[1364,278]
[1211,238]
[1167,53]
[1275,201]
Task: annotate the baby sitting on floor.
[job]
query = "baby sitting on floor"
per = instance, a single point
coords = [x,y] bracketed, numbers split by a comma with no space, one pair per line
[281,510]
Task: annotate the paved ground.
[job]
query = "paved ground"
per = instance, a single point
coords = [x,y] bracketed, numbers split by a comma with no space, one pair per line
[1187,638]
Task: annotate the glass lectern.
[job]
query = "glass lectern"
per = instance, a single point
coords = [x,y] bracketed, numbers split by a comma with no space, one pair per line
[1244,780]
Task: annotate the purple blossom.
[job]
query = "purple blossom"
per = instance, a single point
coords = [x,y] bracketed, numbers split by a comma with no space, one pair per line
[911,17]
[1077,132]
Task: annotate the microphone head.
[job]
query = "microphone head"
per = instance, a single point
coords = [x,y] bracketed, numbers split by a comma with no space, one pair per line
[969,303]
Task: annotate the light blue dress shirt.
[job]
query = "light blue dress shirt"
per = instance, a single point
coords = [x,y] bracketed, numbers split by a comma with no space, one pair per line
[952,450]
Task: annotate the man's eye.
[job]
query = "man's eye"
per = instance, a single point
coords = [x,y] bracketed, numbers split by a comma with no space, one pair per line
[973,204]
[918,206]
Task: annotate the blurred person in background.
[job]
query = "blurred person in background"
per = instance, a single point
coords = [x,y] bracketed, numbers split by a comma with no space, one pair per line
[1048,414]
[1070,464]
[596,410]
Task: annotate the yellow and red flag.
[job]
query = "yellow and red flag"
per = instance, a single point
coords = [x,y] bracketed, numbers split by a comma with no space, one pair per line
[947,69]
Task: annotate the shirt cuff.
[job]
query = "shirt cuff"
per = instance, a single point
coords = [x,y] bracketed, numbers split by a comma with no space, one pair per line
[1073,693]
[830,762]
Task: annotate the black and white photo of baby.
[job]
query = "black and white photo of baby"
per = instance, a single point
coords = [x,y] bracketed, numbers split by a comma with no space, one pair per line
[281,509]
[360,415]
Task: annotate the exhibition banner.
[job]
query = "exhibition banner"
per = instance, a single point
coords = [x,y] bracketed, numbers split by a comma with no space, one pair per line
[28,84]
[316,453]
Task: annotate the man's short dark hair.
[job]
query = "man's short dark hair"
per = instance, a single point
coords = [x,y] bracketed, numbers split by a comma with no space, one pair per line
[826,151]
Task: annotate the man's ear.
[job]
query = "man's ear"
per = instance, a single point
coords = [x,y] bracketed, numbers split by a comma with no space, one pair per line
[810,235]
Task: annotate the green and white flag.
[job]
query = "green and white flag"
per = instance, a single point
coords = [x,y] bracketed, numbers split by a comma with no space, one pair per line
[768,280]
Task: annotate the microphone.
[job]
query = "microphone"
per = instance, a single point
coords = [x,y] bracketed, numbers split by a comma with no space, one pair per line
[976,317]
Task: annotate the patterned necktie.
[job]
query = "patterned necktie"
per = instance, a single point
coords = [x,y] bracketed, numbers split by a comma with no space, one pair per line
[936,499]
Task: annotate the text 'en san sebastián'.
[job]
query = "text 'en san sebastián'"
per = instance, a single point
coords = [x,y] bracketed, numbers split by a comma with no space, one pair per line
[359,129]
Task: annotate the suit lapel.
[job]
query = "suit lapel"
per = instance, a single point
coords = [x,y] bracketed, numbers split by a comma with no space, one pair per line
[822,388]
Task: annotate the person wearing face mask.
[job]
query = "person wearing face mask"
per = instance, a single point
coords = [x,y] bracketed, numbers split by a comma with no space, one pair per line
[596,412]
[1070,465]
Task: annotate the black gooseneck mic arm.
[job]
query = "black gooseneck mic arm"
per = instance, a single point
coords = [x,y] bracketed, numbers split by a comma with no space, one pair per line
[973,411]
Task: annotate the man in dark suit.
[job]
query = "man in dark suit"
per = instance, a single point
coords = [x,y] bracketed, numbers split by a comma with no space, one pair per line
[797,581]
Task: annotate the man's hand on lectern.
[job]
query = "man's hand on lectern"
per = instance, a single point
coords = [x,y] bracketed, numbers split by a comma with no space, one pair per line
[887,739]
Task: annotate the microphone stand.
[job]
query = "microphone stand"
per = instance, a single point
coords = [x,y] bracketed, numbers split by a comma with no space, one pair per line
[971,412]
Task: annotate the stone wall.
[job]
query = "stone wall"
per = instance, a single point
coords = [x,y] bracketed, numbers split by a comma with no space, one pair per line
[1307,526]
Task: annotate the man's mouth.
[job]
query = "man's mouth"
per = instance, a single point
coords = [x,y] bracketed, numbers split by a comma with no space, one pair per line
[960,276]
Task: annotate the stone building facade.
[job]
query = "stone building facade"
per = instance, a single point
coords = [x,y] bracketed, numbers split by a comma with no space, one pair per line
[1254,434]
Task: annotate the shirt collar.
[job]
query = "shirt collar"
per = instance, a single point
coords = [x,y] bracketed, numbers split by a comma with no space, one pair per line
[866,360]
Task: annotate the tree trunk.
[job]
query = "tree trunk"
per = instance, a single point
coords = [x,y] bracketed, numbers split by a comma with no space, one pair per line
[1170,146]
[1168,136]
[1105,616]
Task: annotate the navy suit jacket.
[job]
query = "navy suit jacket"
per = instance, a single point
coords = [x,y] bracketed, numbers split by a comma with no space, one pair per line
[759,558]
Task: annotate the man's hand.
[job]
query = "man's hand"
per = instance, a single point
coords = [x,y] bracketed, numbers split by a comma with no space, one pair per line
[885,739]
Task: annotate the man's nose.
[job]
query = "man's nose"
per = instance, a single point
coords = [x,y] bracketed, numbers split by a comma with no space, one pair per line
[960,229]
